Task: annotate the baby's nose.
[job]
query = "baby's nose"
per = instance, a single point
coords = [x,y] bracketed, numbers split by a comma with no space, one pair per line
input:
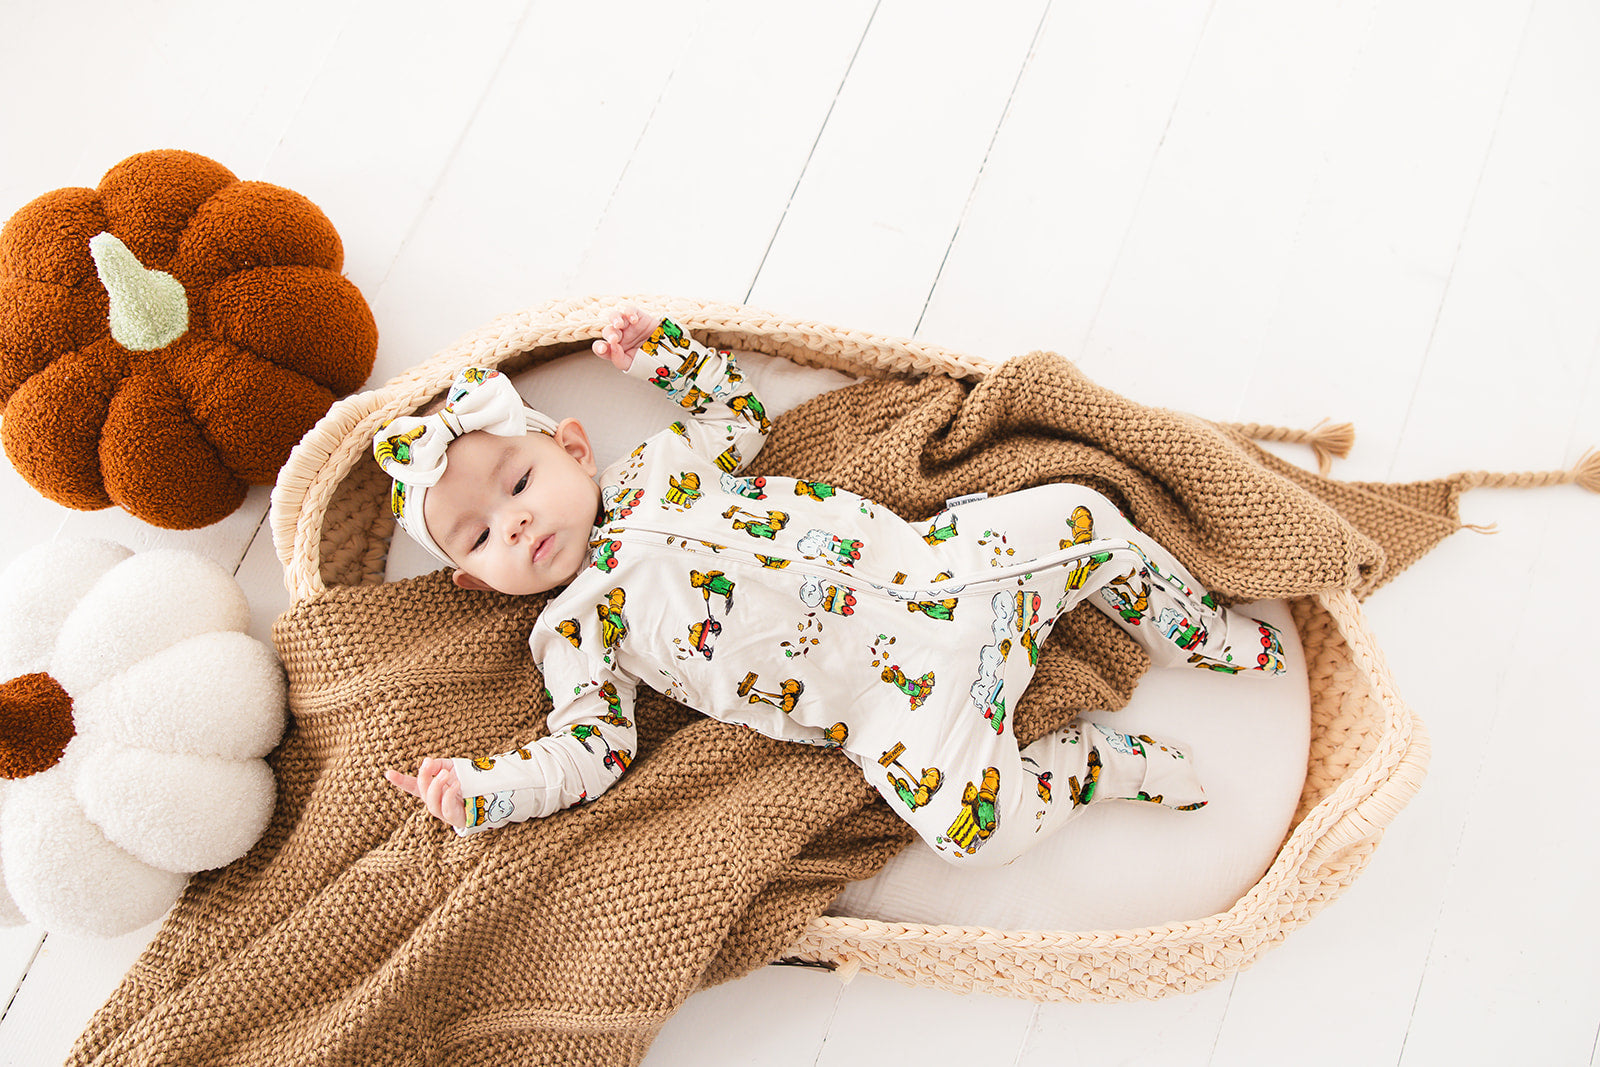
[516,524]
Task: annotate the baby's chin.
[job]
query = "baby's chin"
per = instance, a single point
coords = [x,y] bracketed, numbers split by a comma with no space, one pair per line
[569,579]
[534,585]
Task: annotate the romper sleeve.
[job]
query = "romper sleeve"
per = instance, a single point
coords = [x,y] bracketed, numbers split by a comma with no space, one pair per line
[726,422]
[591,742]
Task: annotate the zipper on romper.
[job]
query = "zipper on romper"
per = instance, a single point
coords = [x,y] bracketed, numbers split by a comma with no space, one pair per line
[800,564]
[950,587]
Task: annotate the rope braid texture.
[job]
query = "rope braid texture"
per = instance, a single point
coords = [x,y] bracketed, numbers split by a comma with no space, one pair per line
[1585,474]
[1329,442]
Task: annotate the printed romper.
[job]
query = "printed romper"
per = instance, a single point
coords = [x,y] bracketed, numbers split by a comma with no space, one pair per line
[812,614]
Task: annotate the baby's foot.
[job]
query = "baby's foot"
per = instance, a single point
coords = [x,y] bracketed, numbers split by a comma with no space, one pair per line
[1249,646]
[629,328]
[1141,767]
[1169,777]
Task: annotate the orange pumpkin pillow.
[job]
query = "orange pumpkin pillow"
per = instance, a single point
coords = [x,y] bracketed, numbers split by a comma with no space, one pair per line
[167,338]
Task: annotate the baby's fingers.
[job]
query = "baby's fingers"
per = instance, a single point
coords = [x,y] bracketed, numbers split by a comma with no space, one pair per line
[404,782]
[444,799]
[439,781]
[454,807]
[611,348]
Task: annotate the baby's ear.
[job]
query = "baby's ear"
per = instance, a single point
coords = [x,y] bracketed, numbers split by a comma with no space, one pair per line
[574,440]
[464,580]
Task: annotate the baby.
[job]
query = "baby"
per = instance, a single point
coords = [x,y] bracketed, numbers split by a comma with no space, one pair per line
[804,611]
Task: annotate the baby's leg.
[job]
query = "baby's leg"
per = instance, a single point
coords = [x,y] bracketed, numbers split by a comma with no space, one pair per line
[980,802]
[1081,537]
[1087,763]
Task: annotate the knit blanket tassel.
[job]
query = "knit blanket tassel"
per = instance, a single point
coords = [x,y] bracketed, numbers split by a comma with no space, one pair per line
[1330,441]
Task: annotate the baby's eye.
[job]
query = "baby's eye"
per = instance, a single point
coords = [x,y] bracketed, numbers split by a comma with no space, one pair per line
[483,539]
[522,483]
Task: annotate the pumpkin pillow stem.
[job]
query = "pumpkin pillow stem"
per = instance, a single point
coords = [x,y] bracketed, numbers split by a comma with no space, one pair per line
[149,309]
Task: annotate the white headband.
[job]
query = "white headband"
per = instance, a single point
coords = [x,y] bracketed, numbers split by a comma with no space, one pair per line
[411,449]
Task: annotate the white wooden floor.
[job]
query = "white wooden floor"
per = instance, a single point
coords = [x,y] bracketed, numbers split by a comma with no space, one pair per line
[1387,212]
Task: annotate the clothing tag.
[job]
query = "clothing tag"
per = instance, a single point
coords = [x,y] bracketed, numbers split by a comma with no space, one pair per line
[957,501]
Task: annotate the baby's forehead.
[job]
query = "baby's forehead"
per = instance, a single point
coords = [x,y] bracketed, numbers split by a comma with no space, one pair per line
[479,453]
[473,463]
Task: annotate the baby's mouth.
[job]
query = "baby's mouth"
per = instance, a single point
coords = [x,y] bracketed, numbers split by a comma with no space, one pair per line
[543,548]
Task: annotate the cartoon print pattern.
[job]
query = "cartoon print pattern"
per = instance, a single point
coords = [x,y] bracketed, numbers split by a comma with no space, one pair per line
[805,613]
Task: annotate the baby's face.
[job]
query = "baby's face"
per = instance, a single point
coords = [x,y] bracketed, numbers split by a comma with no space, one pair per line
[515,513]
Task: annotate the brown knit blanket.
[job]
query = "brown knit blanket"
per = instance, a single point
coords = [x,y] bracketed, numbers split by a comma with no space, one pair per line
[362,931]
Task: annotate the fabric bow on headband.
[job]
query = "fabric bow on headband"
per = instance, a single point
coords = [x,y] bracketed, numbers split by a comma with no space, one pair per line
[411,449]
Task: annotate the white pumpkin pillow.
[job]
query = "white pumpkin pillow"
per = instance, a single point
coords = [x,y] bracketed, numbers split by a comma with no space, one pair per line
[134,715]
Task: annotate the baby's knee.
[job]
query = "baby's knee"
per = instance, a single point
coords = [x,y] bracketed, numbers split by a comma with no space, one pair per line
[991,840]
[1080,503]
[998,850]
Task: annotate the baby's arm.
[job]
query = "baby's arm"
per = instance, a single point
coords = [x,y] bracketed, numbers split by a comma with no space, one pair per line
[724,419]
[591,743]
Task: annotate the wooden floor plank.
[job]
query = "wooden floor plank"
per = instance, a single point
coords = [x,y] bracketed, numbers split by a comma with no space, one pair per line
[923,1025]
[883,193]
[1375,246]
[1509,974]
[1203,260]
[735,1023]
[1174,1032]
[531,177]
[18,946]
[70,977]
[710,177]
[390,158]
[1521,290]
[1042,231]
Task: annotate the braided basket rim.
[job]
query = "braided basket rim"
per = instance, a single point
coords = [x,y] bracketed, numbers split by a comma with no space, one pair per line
[1339,822]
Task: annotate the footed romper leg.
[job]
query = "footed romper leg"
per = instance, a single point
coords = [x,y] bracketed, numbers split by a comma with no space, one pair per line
[951,767]
[1159,603]
[1127,575]
[986,803]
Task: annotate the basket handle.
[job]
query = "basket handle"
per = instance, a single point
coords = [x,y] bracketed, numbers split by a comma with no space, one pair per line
[304,489]
[1391,776]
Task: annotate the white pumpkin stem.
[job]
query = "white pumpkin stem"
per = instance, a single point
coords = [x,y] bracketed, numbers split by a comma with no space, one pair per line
[149,309]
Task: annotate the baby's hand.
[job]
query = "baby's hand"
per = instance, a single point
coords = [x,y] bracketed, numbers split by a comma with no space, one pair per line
[628,330]
[436,786]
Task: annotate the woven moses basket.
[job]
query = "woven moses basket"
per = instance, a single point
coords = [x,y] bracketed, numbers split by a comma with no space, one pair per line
[331,526]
